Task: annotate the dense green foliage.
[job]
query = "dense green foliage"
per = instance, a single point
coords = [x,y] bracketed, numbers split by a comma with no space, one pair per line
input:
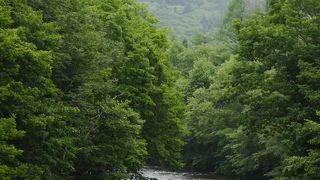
[253,96]
[95,90]
[86,91]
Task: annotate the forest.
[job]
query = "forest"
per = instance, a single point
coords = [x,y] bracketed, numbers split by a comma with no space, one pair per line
[97,89]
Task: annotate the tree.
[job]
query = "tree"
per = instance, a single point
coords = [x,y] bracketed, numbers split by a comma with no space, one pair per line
[109,141]
[268,90]
[111,145]
[29,95]
[123,41]
[9,163]
[143,78]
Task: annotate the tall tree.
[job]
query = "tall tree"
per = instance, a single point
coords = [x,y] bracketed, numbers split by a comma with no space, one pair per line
[30,98]
[259,100]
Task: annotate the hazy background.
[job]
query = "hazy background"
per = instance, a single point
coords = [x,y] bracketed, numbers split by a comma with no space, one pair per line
[185,17]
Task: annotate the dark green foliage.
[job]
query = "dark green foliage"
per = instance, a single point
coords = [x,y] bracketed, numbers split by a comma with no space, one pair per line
[306,165]
[29,98]
[143,78]
[9,164]
[84,87]
[110,146]
[93,90]
[251,119]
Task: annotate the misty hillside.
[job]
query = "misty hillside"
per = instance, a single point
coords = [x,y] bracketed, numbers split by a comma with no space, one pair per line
[185,17]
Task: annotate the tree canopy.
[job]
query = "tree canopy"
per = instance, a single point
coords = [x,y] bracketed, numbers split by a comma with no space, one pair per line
[97,90]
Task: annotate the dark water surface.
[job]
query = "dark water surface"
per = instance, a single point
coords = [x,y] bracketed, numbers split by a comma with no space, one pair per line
[152,172]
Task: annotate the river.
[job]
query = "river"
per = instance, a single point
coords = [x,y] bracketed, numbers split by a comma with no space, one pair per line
[152,172]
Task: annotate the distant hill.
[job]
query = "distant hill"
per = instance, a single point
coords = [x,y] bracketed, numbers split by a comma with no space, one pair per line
[185,17]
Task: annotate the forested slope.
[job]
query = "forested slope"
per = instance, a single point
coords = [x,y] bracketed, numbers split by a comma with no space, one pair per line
[188,17]
[96,90]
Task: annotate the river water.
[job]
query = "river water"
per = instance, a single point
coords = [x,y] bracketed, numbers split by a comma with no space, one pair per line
[152,172]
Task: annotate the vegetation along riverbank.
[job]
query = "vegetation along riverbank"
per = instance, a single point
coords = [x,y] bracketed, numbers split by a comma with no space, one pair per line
[97,89]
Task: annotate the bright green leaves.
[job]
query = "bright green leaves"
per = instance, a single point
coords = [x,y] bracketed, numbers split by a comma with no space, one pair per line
[165,132]
[305,166]
[110,145]
[109,62]
[8,152]
[5,18]
[200,74]
[143,78]
[28,93]
[274,106]
[250,120]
